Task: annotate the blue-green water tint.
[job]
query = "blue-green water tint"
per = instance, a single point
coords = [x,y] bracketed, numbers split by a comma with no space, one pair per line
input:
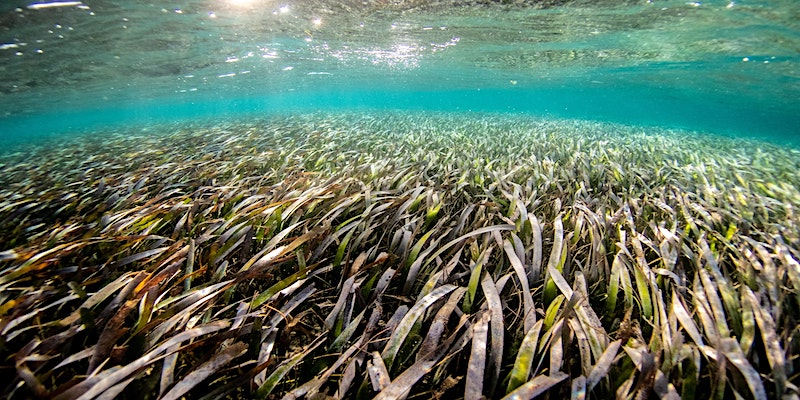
[727,67]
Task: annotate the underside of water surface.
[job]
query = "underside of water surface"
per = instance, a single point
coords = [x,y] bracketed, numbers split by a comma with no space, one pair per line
[400,199]
[729,67]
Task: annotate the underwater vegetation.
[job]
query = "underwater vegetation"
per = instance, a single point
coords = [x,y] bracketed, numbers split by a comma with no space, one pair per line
[400,256]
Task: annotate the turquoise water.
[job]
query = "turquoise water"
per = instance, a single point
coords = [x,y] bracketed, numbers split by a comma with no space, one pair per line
[725,67]
[242,198]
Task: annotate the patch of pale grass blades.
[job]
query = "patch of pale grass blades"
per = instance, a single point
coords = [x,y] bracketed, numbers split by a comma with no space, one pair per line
[400,256]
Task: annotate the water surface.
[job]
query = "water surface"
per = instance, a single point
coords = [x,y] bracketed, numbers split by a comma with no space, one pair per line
[726,67]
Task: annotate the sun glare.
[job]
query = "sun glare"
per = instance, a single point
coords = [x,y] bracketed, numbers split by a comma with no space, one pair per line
[241,3]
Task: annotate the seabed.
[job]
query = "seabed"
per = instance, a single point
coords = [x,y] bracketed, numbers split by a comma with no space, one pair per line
[395,255]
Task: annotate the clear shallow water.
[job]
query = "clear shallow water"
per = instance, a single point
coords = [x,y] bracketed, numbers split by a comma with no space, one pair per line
[191,139]
[718,66]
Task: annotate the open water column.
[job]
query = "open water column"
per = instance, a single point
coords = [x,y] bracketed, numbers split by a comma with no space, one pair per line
[400,199]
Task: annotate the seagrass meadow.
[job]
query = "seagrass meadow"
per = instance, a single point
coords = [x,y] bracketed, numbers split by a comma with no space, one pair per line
[398,255]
